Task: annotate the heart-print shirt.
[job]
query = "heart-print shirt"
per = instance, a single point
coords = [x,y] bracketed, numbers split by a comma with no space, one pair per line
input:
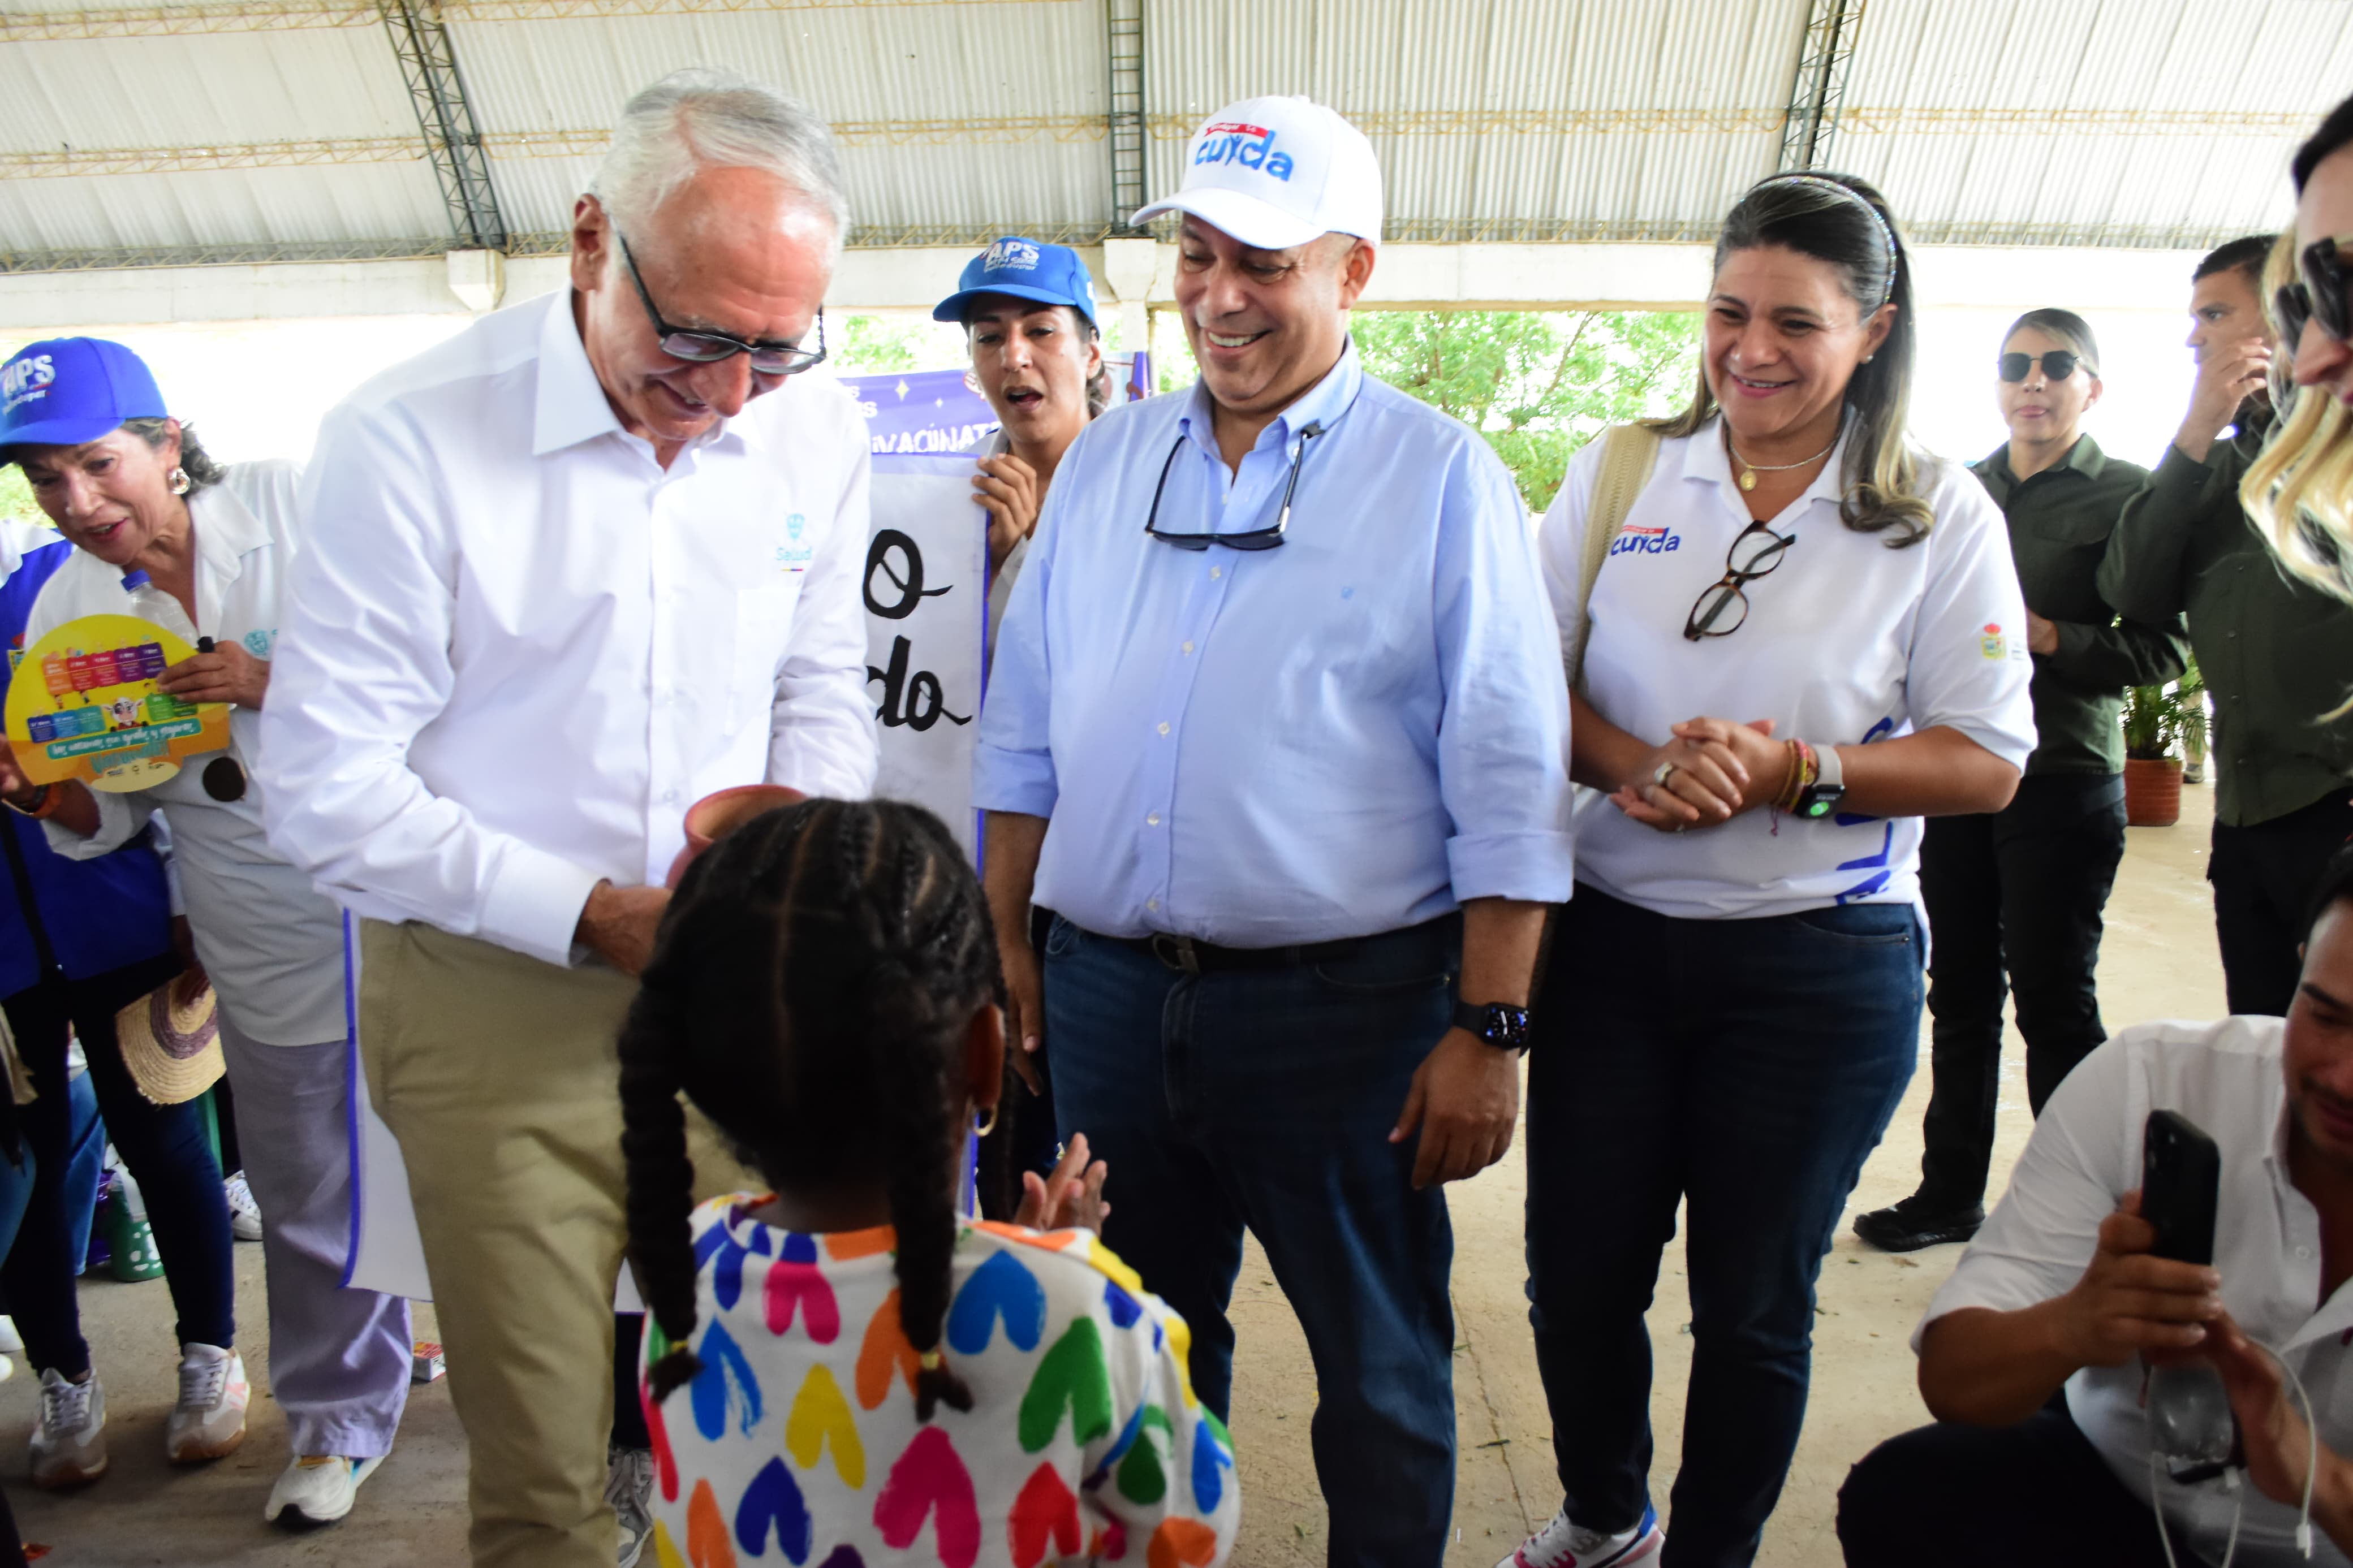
[798,1442]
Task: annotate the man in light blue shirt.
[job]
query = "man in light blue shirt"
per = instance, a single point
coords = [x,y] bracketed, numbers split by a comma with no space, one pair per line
[1277,725]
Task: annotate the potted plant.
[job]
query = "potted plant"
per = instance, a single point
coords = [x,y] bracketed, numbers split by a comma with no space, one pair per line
[2191,691]
[2155,718]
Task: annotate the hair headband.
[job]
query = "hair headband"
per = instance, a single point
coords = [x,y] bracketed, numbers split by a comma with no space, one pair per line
[1847,193]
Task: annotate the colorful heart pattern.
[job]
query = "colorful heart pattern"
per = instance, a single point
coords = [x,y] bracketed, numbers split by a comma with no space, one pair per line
[928,1479]
[797,1284]
[1113,1448]
[820,1419]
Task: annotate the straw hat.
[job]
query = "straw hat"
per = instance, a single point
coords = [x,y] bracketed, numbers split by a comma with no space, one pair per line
[172,1047]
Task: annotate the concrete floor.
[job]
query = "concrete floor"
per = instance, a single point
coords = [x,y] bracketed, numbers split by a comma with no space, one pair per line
[2158,961]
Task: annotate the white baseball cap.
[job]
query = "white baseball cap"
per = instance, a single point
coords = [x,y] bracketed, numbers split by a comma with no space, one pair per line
[1279,171]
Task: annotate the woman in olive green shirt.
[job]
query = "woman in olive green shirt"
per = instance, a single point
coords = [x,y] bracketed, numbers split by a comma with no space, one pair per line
[2015,897]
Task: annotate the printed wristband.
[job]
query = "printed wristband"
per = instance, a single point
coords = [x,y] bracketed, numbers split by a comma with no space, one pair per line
[47,798]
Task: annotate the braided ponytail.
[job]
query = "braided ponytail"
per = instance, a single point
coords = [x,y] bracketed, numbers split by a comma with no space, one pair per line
[812,992]
[661,1178]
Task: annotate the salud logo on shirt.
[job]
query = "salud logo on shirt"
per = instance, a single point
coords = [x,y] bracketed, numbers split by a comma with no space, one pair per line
[1251,146]
[1634,541]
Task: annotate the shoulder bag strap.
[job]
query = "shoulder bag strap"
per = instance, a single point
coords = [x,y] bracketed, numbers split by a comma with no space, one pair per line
[1630,453]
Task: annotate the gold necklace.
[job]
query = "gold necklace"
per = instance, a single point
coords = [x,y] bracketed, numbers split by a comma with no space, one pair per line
[1750,470]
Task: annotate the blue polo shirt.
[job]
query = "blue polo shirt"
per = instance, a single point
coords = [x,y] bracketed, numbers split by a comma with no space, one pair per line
[84,916]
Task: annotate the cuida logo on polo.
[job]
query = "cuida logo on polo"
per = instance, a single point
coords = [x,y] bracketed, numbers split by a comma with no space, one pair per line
[26,379]
[1010,256]
[1251,146]
[1636,541]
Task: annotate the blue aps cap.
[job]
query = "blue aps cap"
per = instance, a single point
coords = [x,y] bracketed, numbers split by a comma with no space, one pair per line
[61,392]
[1026,269]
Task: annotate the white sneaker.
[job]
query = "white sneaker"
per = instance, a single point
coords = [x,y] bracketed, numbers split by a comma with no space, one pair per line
[1561,1544]
[629,1489]
[316,1490]
[69,1445]
[244,1213]
[209,1419]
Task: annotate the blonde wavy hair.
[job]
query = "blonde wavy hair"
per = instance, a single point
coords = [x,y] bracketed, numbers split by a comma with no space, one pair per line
[2299,491]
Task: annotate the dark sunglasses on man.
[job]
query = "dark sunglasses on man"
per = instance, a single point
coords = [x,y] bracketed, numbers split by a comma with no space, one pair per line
[710,348]
[2058,365]
[2318,294]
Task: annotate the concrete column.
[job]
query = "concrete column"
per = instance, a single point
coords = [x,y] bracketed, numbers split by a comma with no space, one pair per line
[1128,266]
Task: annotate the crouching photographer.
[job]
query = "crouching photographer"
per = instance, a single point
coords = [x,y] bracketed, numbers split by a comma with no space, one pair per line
[2103,1392]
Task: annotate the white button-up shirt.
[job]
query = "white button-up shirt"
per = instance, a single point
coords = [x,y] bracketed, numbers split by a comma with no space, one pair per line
[1349,734]
[2084,1155]
[273,946]
[519,648]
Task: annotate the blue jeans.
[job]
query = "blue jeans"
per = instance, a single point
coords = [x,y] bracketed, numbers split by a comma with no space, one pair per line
[1745,1068]
[163,1146]
[1264,1099]
[85,1164]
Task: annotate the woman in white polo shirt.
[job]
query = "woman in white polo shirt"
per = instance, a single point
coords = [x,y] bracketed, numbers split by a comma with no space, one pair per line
[1807,636]
[164,532]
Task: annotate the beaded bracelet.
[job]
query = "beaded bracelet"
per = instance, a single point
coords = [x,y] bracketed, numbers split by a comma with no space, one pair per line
[1805,768]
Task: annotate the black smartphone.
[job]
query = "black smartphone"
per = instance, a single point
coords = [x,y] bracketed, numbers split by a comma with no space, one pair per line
[2181,1181]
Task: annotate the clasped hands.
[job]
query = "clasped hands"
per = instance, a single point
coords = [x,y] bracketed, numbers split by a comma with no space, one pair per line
[1719,770]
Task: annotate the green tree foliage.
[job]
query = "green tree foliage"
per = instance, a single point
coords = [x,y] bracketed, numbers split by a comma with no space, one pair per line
[15,495]
[1537,385]
[879,345]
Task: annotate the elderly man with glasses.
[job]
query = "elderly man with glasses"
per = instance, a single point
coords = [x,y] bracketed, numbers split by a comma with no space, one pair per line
[1277,725]
[592,559]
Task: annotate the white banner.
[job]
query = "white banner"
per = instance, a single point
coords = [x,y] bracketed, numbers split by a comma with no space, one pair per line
[926,588]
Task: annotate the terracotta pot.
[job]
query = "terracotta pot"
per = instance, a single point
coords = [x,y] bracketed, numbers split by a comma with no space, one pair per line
[2152,791]
[714,816]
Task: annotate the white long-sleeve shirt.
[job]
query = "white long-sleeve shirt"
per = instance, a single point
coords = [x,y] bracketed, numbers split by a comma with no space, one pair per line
[273,947]
[518,648]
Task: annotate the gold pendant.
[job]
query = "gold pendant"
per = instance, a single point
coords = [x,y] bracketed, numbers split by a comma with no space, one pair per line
[1748,479]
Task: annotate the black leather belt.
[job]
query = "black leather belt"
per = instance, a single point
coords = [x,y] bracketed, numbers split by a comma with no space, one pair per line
[1188,955]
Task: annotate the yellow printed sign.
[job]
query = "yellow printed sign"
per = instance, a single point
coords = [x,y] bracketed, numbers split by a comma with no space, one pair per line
[83,705]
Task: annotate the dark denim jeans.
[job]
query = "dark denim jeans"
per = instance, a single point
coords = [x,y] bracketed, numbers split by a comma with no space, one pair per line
[2036,1495]
[164,1147]
[1745,1067]
[2015,900]
[1264,1099]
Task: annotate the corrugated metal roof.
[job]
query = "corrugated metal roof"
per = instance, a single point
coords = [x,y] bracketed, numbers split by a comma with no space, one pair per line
[2114,121]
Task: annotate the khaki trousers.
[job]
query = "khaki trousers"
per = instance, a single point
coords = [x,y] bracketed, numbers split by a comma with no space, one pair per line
[500,1075]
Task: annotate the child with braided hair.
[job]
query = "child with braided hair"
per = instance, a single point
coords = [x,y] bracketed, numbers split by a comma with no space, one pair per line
[871,1376]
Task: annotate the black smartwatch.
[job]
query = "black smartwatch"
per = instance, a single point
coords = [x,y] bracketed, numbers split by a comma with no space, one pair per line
[1822,797]
[1499,1023]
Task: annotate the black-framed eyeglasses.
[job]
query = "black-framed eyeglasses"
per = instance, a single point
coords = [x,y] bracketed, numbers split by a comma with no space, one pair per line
[2058,365]
[2318,294]
[1257,538]
[1754,554]
[710,348]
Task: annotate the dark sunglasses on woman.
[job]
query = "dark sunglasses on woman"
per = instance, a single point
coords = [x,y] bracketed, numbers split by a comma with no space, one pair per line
[2058,365]
[2318,294]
